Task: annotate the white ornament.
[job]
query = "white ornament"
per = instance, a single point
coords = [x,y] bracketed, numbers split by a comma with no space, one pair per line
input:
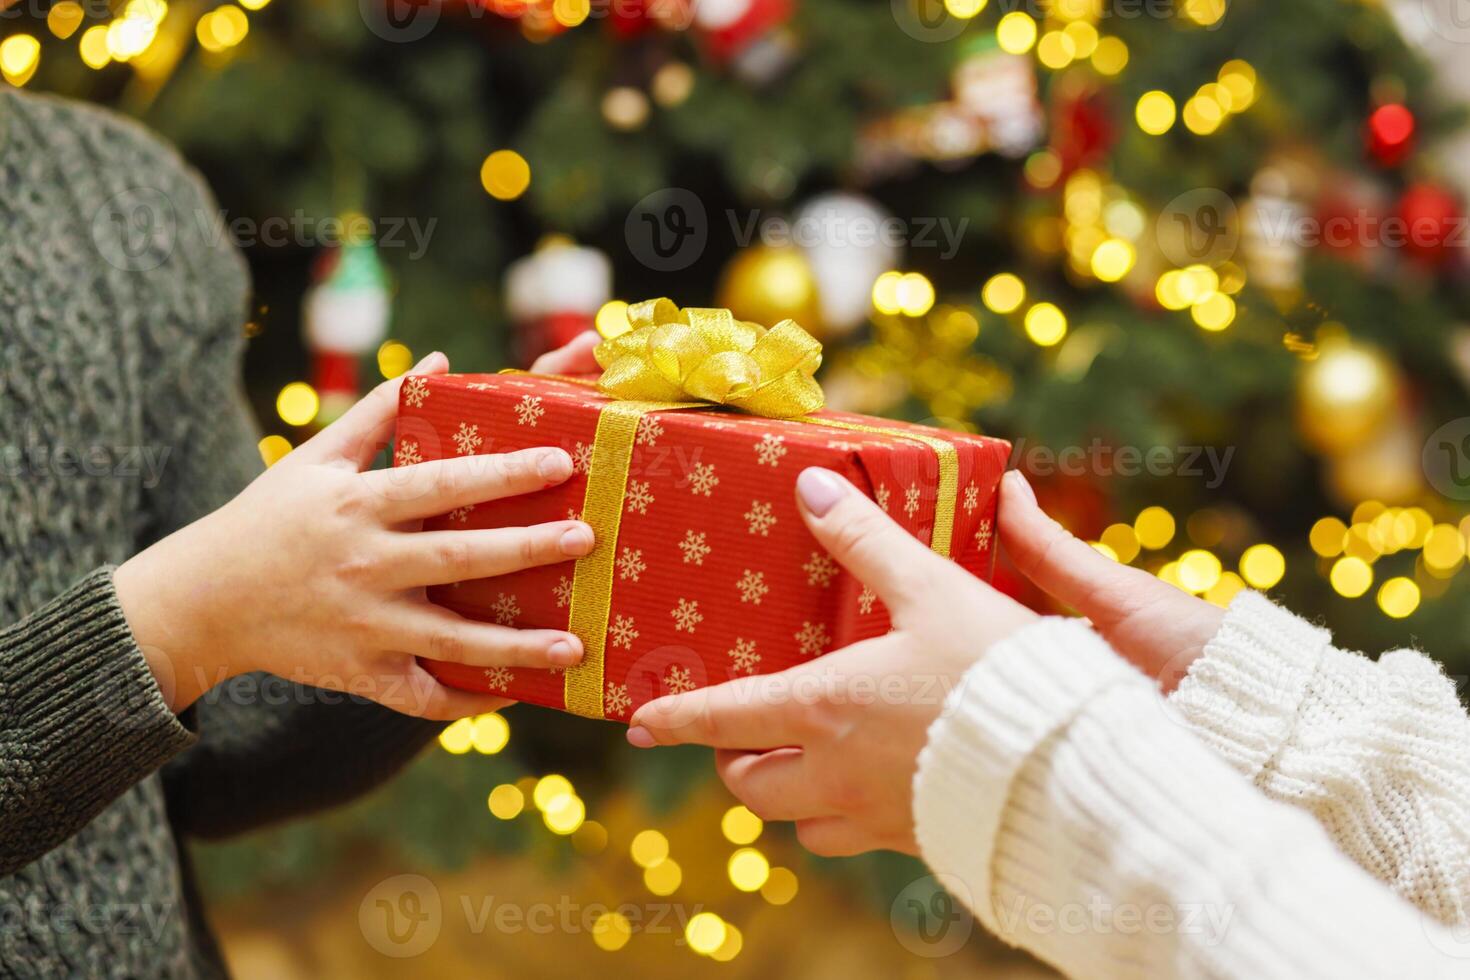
[849,241]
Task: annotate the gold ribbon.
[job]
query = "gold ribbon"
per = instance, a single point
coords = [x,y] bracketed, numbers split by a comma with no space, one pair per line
[592,582]
[666,354]
[946,493]
[668,359]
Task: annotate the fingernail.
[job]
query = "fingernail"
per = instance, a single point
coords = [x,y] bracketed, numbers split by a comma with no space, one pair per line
[422,365]
[564,654]
[819,489]
[1022,485]
[640,737]
[577,541]
[555,465]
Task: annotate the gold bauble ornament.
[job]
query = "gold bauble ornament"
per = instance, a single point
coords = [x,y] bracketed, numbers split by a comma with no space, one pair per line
[1345,396]
[1387,468]
[767,284]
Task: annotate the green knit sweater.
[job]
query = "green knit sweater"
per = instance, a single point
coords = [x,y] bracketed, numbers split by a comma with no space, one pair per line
[121,312]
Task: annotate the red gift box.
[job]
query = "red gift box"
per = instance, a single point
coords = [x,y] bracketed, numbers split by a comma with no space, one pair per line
[708,571]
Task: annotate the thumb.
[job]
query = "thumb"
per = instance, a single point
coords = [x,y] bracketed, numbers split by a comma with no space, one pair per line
[867,542]
[365,428]
[1067,568]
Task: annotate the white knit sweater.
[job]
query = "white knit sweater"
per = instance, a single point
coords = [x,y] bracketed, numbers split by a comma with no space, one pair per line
[1114,833]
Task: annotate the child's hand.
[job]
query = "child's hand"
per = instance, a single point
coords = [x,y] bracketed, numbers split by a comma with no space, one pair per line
[317,571]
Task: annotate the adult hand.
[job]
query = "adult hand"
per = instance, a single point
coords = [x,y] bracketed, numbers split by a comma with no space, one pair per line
[833,743]
[317,571]
[1158,627]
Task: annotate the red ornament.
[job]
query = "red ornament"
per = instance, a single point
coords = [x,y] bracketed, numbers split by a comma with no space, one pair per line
[1349,214]
[1431,216]
[629,18]
[1082,129]
[1391,134]
[731,27]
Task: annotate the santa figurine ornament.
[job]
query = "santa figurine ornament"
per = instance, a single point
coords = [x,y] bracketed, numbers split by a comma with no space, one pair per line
[345,316]
[554,294]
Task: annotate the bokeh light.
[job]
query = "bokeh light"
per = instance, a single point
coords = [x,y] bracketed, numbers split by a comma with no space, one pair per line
[1262,565]
[298,404]
[505,175]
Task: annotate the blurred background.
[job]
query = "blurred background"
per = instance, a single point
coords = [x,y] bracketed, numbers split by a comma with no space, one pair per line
[1204,262]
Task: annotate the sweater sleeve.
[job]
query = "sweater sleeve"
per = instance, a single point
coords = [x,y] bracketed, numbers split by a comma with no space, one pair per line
[1378,753]
[1061,799]
[270,750]
[81,719]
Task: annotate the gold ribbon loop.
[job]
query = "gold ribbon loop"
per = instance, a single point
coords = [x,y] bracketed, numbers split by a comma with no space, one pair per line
[704,355]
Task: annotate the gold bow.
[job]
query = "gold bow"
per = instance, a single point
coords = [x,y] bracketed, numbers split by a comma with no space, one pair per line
[701,355]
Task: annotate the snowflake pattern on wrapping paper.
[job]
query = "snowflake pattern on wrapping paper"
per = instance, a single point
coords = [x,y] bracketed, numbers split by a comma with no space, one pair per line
[581,457]
[703,479]
[461,514]
[820,569]
[812,638]
[638,497]
[865,600]
[408,454]
[573,514]
[982,536]
[882,494]
[623,632]
[479,386]
[743,657]
[678,680]
[467,439]
[498,678]
[770,449]
[506,609]
[972,498]
[649,429]
[415,391]
[630,564]
[760,518]
[752,586]
[911,499]
[616,700]
[686,615]
[563,592]
[694,547]
[529,410]
[842,445]
[719,426]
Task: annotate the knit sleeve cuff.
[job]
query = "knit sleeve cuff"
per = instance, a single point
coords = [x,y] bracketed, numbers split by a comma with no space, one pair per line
[1006,706]
[1243,695]
[81,716]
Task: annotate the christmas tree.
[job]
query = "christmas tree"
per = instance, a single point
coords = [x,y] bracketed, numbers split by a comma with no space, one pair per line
[1200,261]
